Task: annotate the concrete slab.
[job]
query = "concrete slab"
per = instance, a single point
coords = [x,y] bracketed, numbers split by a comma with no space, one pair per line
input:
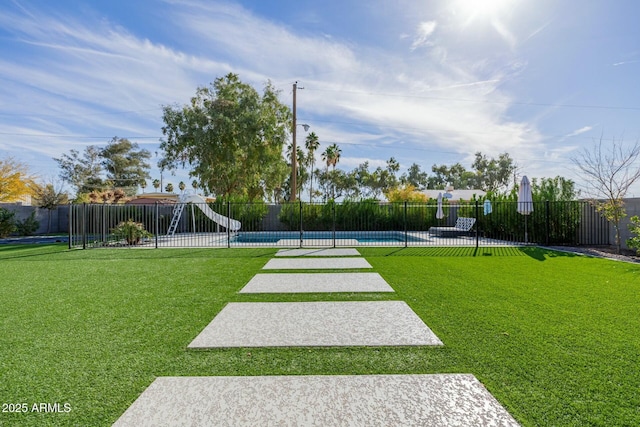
[319,252]
[354,400]
[315,324]
[315,263]
[317,243]
[315,282]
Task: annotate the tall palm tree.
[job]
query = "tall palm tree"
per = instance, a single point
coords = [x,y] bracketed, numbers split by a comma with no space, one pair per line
[156,184]
[311,143]
[331,157]
[336,152]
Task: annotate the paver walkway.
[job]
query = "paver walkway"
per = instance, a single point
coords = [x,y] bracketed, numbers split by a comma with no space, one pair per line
[319,252]
[328,400]
[315,263]
[315,324]
[315,282]
[362,400]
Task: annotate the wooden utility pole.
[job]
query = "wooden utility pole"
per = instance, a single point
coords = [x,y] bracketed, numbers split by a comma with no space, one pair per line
[294,150]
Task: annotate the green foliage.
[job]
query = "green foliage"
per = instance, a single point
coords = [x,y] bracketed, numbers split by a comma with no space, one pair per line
[613,211]
[634,242]
[28,226]
[416,177]
[491,174]
[49,197]
[7,222]
[82,171]
[230,136]
[554,189]
[126,164]
[130,231]
[359,215]
[123,162]
[249,213]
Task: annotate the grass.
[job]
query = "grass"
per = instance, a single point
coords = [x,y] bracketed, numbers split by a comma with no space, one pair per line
[554,337]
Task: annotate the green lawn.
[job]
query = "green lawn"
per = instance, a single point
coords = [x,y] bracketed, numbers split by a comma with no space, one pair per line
[554,337]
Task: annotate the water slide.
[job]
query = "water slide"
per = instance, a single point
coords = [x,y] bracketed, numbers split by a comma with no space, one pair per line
[201,203]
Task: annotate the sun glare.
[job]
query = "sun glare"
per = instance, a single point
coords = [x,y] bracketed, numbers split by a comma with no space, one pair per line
[478,8]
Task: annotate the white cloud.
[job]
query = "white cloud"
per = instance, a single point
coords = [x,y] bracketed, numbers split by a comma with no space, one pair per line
[576,132]
[424,31]
[81,74]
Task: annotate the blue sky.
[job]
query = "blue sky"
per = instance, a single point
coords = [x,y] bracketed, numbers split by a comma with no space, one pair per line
[430,82]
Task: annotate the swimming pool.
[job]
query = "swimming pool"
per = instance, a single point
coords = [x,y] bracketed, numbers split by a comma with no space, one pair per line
[359,236]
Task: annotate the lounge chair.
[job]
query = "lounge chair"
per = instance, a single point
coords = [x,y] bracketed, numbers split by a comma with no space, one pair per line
[463,226]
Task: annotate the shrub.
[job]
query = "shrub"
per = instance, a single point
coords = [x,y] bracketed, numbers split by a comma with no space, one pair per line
[130,231]
[249,213]
[29,226]
[7,223]
[634,242]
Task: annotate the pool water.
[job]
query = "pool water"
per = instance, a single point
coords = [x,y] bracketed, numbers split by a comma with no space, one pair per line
[360,236]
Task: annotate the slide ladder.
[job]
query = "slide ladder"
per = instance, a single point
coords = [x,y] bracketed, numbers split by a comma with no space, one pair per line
[175,219]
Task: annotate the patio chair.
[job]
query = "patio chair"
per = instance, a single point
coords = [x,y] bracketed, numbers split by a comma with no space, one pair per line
[463,226]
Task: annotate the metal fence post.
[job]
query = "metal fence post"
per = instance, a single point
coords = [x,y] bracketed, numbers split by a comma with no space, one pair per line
[477,225]
[300,204]
[333,214]
[84,226]
[405,224]
[157,223]
[228,223]
[70,224]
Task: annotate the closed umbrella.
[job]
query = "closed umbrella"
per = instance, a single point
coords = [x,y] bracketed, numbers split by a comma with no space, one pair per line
[439,212]
[525,203]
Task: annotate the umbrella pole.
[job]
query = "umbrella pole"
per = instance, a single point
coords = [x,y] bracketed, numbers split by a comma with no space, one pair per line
[526,237]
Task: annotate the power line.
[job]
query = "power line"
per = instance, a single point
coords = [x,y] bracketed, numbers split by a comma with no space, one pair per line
[480,101]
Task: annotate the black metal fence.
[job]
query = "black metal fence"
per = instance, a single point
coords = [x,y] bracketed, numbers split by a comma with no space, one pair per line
[334,224]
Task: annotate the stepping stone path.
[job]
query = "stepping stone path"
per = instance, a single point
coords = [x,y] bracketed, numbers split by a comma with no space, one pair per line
[315,324]
[316,264]
[328,400]
[315,282]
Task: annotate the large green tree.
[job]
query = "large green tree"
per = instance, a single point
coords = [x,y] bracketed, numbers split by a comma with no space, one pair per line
[125,164]
[82,170]
[415,177]
[455,175]
[493,174]
[230,136]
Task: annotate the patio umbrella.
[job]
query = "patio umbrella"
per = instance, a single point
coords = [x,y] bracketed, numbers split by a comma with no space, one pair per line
[487,207]
[525,203]
[439,212]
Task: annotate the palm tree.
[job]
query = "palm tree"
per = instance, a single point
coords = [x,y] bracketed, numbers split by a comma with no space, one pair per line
[336,152]
[156,184]
[182,186]
[331,157]
[169,188]
[143,185]
[311,143]
[194,184]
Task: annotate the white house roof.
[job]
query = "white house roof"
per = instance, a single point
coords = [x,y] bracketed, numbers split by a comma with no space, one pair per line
[454,194]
